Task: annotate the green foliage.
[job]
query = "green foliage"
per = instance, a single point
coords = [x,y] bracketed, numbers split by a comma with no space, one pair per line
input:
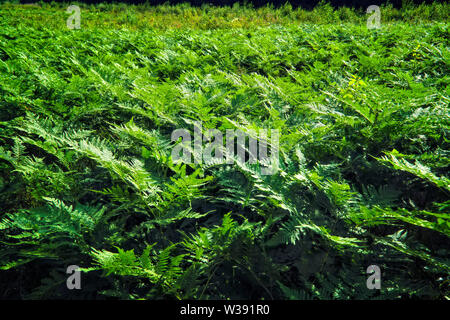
[87,177]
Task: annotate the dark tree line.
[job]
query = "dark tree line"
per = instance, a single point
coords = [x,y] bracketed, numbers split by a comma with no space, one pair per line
[307,4]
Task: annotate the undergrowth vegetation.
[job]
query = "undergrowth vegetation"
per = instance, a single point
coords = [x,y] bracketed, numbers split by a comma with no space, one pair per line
[87,177]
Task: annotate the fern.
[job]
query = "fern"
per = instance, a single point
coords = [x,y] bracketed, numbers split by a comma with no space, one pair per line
[49,231]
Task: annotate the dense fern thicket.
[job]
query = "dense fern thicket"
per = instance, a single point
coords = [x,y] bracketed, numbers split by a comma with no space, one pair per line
[87,177]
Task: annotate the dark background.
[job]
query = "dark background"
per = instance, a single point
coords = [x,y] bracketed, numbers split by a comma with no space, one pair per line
[307,4]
